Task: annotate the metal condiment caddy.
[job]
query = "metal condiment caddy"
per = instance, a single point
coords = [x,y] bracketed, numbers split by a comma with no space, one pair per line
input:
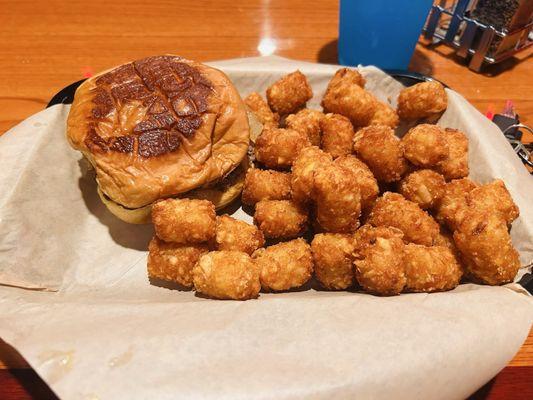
[458,24]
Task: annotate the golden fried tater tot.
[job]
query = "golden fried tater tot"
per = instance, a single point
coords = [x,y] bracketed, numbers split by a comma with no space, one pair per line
[280,219]
[303,169]
[392,209]
[423,100]
[494,197]
[348,75]
[345,96]
[385,115]
[363,177]
[285,265]
[455,166]
[227,275]
[367,235]
[423,187]
[486,249]
[307,121]
[173,262]
[378,262]
[425,145]
[261,110]
[333,258]
[337,135]
[184,220]
[378,148]
[277,148]
[289,94]
[265,185]
[452,206]
[338,199]
[232,234]
[430,269]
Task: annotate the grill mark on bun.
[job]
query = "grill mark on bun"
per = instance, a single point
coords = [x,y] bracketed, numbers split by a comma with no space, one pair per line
[174,93]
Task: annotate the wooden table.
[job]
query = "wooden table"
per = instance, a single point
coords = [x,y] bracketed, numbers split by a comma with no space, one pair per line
[47,45]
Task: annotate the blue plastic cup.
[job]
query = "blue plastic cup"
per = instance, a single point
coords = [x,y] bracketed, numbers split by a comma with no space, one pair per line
[380,32]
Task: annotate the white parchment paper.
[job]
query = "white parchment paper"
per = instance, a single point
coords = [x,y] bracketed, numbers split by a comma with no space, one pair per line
[96,328]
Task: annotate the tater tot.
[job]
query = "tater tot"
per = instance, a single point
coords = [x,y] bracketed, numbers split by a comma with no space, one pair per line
[345,96]
[333,258]
[227,275]
[347,75]
[338,199]
[367,235]
[280,219]
[261,110]
[423,187]
[455,166]
[494,197]
[265,185]
[423,100]
[232,234]
[285,265]
[385,115]
[378,261]
[452,206]
[382,151]
[303,169]
[289,94]
[392,209]
[430,269]
[337,135]
[486,248]
[184,220]
[307,121]
[363,177]
[173,262]
[425,145]
[277,148]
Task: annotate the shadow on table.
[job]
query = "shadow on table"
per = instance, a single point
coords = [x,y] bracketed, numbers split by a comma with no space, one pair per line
[328,54]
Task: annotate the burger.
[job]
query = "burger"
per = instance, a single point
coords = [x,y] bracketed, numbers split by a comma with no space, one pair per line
[161,127]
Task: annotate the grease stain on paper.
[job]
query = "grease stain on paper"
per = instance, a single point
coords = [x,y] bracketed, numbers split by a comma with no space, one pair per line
[59,363]
[121,359]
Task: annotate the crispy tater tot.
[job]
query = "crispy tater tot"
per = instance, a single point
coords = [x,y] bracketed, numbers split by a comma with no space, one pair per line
[265,185]
[307,121]
[385,115]
[345,96]
[455,166]
[392,209]
[333,258]
[338,199]
[378,148]
[280,219]
[285,265]
[289,93]
[337,135]
[277,148]
[452,206]
[303,169]
[430,269]
[348,75]
[378,261]
[232,234]
[173,262]
[425,145]
[363,177]
[494,197]
[262,111]
[424,187]
[184,220]
[423,100]
[486,248]
[445,239]
[227,275]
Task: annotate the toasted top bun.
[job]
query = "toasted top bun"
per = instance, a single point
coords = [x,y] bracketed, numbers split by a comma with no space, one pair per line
[158,127]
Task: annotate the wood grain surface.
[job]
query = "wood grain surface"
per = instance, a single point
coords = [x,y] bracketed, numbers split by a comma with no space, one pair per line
[44,46]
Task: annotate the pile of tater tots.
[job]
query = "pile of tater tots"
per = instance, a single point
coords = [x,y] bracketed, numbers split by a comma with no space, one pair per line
[339,197]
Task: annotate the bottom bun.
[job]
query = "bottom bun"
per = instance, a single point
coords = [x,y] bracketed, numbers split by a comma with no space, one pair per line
[220,194]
